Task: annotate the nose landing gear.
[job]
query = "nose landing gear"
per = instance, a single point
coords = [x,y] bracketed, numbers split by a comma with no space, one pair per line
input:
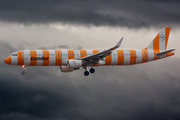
[24,70]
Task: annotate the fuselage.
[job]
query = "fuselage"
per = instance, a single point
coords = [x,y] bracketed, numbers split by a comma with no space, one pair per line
[70,60]
[60,57]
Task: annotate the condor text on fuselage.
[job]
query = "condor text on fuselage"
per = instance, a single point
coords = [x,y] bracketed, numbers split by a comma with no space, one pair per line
[39,58]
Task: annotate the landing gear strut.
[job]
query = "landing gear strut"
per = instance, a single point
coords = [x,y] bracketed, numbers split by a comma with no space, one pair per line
[24,70]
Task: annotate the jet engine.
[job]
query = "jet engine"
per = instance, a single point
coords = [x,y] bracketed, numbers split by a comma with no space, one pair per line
[66,69]
[74,63]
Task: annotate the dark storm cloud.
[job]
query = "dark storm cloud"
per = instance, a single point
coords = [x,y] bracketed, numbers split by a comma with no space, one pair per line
[147,91]
[124,13]
[169,1]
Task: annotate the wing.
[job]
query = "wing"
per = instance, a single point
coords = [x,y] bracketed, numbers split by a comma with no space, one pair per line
[99,56]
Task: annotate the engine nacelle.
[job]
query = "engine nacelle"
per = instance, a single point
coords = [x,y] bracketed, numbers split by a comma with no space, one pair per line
[66,69]
[74,63]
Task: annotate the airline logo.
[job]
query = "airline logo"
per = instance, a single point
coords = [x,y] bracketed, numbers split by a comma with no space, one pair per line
[39,58]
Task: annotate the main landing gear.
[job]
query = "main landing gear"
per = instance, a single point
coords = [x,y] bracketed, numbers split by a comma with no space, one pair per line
[86,73]
[24,70]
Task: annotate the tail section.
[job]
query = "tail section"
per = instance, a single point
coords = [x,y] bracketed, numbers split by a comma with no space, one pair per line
[159,44]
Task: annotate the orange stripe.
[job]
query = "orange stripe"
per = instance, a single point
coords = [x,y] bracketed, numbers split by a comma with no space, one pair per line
[20,58]
[58,57]
[95,51]
[120,57]
[33,55]
[167,31]
[132,57]
[169,54]
[156,43]
[70,54]
[83,53]
[10,59]
[144,55]
[45,57]
[156,46]
[108,60]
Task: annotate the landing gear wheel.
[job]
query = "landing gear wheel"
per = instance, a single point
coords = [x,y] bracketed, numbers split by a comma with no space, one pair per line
[92,70]
[23,72]
[86,73]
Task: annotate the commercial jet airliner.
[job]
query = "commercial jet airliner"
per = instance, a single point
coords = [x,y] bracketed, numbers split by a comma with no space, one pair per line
[70,60]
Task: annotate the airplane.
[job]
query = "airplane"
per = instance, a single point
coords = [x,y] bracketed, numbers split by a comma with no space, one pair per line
[70,60]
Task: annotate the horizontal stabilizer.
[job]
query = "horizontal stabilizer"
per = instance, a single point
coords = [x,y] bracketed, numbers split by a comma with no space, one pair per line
[164,53]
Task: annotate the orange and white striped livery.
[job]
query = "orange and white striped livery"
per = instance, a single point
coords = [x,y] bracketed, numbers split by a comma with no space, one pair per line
[70,60]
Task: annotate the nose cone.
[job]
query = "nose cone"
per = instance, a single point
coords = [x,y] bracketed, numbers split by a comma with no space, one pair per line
[8,60]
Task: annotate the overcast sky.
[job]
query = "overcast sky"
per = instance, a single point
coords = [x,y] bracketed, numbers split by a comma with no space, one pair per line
[145,91]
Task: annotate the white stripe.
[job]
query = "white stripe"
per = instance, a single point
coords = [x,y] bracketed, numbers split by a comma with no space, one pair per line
[14,59]
[102,51]
[27,61]
[150,47]
[162,40]
[138,56]
[77,54]
[126,57]
[89,52]
[52,57]
[102,62]
[39,62]
[64,57]
[114,58]
[150,55]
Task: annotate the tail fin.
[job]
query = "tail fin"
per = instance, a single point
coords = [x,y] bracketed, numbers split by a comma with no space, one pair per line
[159,44]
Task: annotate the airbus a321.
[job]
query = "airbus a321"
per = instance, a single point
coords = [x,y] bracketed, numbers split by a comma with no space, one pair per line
[70,60]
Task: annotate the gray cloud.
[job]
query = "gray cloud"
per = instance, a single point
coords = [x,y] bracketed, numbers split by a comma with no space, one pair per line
[122,13]
[60,47]
[145,91]
[55,47]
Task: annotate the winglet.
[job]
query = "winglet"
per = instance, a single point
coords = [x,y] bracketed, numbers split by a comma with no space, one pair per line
[119,43]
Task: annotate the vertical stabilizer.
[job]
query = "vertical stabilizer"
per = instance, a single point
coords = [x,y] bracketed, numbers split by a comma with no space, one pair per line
[159,44]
